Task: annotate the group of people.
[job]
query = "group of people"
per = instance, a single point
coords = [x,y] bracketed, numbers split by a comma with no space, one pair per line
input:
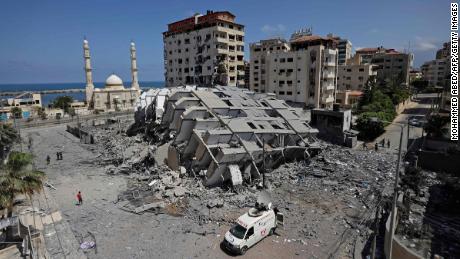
[376,145]
[58,157]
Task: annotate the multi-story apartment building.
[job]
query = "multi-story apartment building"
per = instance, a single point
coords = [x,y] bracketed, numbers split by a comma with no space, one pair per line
[391,64]
[247,74]
[436,72]
[303,70]
[444,52]
[355,77]
[365,55]
[344,47]
[204,49]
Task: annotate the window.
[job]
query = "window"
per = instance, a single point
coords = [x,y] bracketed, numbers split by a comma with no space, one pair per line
[250,124]
[282,60]
[289,93]
[209,68]
[290,60]
[361,70]
[187,41]
[281,92]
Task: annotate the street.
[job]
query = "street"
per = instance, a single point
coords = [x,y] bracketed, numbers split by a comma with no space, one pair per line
[419,106]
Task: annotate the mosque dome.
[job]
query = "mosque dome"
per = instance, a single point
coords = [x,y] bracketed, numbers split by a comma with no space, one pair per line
[114,82]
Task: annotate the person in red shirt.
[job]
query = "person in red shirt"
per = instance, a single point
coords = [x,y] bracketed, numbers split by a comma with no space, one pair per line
[79,198]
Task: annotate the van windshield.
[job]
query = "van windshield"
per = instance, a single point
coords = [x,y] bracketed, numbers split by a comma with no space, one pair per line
[238,231]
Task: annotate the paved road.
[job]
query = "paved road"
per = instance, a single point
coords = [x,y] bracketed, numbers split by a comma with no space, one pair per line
[419,106]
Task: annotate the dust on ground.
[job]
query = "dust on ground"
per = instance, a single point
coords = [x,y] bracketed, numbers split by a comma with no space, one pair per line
[329,201]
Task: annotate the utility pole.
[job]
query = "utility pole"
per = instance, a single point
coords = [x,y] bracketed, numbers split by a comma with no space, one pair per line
[263,163]
[18,128]
[376,232]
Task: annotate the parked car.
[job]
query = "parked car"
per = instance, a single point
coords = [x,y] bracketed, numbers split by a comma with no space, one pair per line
[251,228]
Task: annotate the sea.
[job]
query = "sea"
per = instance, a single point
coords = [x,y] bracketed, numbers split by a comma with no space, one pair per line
[48,98]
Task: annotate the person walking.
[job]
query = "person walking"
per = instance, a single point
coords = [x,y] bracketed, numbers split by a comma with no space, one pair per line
[376,146]
[79,198]
[388,143]
[48,159]
[364,146]
[57,155]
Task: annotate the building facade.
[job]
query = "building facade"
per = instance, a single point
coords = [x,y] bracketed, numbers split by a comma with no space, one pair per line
[114,97]
[391,64]
[436,72]
[204,50]
[247,74]
[344,47]
[303,70]
[444,52]
[355,77]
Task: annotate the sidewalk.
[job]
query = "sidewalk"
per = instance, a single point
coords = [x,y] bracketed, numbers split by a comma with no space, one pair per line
[59,238]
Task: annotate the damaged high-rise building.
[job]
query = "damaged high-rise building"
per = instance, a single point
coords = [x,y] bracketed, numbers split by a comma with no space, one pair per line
[224,133]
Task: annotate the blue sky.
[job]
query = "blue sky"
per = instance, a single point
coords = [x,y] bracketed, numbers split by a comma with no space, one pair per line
[41,41]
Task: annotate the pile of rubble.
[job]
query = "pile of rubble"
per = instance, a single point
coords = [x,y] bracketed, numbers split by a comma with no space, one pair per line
[430,212]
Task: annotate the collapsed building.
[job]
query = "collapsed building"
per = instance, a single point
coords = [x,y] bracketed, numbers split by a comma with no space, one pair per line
[226,134]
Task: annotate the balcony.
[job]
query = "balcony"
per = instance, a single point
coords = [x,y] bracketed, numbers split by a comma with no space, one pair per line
[328,86]
[327,99]
[330,52]
[327,74]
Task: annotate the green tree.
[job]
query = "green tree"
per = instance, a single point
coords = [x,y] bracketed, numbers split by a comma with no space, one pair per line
[8,136]
[17,177]
[435,127]
[370,125]
[16,112]
[63,102]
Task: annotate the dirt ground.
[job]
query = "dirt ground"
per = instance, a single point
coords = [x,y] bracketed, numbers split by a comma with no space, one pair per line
[120,234]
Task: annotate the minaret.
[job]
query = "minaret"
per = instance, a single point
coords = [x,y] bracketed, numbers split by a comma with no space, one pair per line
[134,81]
[89,74]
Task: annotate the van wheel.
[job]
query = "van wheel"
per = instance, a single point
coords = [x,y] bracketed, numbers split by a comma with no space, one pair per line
[272,231]
[244,250]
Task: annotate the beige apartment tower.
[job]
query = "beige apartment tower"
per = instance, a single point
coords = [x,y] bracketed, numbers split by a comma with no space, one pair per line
[303,70]
[204,50]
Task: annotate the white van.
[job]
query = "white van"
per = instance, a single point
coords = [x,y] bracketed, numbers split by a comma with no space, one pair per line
[250,228]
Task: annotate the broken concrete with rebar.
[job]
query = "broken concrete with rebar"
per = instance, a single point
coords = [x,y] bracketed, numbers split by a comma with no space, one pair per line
[224,133]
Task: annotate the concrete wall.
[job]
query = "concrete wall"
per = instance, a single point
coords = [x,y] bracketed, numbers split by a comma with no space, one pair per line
[84,136]
[400,251]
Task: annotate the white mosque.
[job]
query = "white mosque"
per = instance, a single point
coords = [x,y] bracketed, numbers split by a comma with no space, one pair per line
[114,96]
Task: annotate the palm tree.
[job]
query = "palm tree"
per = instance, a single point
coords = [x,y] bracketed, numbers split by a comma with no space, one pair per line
[17,177]
[8,136]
